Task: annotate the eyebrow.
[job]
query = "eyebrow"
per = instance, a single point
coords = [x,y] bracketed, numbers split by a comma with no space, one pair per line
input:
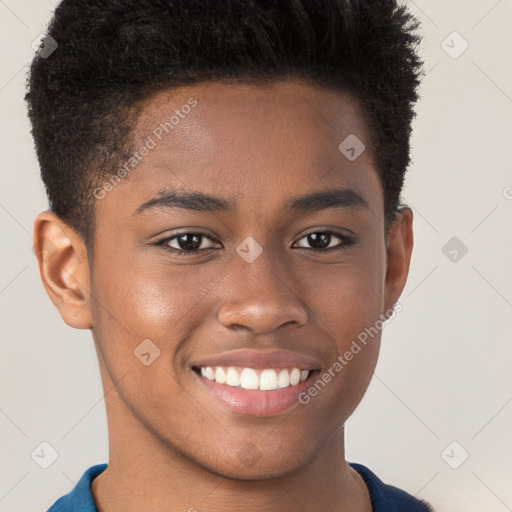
[199,202]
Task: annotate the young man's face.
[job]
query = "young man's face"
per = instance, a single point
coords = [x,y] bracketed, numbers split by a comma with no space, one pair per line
[257,149]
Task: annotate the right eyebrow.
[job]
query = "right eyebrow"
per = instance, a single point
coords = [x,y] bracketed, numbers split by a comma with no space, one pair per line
[195,201]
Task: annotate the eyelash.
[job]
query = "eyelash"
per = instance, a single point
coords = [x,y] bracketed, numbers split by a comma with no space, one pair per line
[347,242]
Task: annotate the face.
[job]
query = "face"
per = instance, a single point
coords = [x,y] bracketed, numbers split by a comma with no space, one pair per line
[283,265]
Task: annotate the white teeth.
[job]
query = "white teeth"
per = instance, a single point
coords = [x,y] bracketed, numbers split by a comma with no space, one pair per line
[294,377]
[232,378]
[283,380]
[220,375]
[267,379]
[249,379]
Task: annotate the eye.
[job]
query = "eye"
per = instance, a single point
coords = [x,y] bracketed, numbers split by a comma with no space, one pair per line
[186,243]
[326,240]
[189,243]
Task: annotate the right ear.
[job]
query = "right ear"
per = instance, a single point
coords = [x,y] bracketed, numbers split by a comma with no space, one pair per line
[62,259]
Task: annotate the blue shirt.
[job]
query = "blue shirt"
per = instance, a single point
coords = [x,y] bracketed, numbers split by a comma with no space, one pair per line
[384,497]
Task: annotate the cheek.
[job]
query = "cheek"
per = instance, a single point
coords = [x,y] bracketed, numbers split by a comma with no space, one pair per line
[347,298]
[140,302]
[347,304]
[140,318]
[148,300]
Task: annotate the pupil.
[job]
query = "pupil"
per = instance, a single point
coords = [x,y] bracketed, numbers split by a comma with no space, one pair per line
[189,242]
[319,240]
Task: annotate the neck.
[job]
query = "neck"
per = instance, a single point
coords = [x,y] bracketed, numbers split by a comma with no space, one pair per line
[143,473]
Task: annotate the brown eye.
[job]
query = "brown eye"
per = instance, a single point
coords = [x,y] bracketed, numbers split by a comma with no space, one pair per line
[326,240]
[186,243]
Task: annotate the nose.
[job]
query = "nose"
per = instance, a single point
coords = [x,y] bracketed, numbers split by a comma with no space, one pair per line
[260,297]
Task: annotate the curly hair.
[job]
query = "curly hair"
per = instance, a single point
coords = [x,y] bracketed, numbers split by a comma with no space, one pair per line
[83,97]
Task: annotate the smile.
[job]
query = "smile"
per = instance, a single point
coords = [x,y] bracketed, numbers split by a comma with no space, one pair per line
[250,378]
[253,392]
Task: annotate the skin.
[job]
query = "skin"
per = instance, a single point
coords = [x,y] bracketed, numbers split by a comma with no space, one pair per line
[172,448]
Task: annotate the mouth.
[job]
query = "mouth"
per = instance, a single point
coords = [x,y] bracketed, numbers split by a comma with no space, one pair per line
[254,391]
[266,379]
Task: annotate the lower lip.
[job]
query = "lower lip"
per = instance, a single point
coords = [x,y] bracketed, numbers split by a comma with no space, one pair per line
[255,402]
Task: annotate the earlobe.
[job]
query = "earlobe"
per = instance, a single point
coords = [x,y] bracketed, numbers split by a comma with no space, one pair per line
[64,269]
[399,251]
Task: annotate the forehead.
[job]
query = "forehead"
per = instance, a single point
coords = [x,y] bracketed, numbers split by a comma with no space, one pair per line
[263,120]
[244,142]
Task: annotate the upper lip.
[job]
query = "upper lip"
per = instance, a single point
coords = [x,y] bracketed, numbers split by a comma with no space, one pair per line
[258,359]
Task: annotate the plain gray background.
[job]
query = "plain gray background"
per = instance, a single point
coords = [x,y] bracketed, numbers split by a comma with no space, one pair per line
[443,386]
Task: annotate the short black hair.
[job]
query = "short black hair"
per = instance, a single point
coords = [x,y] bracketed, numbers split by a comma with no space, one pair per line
[112,54]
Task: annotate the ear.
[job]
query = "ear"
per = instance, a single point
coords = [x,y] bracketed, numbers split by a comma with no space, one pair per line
[64,269]
[400,242]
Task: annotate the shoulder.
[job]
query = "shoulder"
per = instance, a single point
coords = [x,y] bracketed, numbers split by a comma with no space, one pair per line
[386,497]
[79,499]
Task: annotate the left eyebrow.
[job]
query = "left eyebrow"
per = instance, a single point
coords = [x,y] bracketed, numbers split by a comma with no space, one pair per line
[330,198]
[199,202]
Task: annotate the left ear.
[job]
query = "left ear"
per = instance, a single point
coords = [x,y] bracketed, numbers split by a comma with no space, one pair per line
[399,250]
